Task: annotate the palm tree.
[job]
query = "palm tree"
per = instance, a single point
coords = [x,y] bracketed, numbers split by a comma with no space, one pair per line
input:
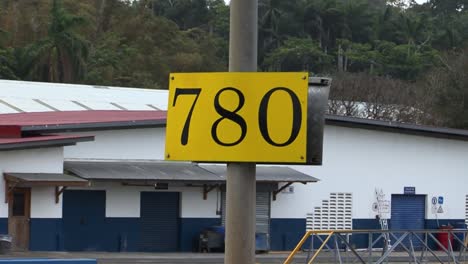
[270,15]
[61,56]
[323,20]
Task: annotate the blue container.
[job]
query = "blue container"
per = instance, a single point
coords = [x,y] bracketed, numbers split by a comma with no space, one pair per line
[262,243]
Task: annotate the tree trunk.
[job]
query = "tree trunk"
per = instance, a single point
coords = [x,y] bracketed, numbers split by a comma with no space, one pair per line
[100,18]
[345,63]
[14,16]
[340,58]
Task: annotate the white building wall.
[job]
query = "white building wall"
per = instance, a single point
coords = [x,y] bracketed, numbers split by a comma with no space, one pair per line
[358,161]
[46,160]
[126,144]
[124,201]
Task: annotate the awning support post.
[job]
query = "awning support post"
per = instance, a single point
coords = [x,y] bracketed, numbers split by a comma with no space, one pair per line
[207,189]
[275,193]
[281,189]
[58,192]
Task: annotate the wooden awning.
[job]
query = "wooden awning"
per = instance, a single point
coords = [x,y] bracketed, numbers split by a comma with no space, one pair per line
[16,180]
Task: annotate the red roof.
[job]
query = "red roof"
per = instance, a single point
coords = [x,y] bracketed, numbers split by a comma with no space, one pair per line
[12,125]
[4,141]
[42,141]
[78,117]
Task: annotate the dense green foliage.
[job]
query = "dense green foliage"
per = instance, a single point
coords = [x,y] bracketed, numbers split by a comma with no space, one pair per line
[412,57]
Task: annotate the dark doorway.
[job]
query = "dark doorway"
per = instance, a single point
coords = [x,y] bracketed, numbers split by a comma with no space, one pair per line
[84,220]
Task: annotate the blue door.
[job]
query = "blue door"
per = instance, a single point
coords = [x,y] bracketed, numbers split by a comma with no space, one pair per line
[84,220]
[408,213]
[159,222]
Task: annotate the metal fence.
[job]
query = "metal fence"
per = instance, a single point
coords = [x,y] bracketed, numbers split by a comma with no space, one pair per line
[413,246]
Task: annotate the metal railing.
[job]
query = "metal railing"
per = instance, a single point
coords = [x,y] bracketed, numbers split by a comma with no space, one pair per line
[421,246]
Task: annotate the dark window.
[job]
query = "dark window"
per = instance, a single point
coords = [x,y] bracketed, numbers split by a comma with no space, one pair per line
[18,204]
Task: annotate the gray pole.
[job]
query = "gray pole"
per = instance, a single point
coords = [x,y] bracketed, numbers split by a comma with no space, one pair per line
[240,193]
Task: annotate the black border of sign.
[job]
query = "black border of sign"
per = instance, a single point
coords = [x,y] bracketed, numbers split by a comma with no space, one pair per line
[317,104]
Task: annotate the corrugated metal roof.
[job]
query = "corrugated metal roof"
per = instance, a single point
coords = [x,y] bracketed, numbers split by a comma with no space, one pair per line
[267,173]
[396,127]
[50,179]
[20,96]
[174,171]
[154,170]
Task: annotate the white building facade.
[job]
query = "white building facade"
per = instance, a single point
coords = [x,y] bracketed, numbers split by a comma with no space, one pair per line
[112,203]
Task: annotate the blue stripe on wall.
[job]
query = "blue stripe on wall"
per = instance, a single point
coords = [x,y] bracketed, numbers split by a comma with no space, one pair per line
[118,234]
[122,234]
[48,261]
[46,234]
[190,229]
[362,240]
[4,226]
[285,233]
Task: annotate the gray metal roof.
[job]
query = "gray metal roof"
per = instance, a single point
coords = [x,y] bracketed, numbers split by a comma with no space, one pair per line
[52,179]
[268,173]
[174,171]
[396,127]
[151,170]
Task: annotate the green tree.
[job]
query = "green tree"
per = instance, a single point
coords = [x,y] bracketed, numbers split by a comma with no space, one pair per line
[404,61]
[298,54]
[449,84]
[357,21]
[186,13]
[62,55]
[323,22]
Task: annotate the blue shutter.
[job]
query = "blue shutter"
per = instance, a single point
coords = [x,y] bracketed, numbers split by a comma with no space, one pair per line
[408,213]
[159,222]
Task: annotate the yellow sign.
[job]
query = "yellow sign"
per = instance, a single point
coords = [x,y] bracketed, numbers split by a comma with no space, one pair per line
[237,117]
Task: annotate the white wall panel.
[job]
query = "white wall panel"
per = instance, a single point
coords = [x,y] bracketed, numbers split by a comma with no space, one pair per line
[121,144]
[46,160]
[358,161]
[3,205]
[43,203]
[194,206]
[124,201]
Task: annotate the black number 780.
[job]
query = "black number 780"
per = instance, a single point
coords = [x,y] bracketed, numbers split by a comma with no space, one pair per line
[238,119]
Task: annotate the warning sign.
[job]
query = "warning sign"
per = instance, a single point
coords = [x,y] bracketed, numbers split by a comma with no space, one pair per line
[440,210]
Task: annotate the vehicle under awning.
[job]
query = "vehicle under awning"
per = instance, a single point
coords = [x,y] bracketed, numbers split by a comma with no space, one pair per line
[17,180]
[160,173]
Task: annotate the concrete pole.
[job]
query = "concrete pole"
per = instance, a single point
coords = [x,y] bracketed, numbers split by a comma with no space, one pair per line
[240,193]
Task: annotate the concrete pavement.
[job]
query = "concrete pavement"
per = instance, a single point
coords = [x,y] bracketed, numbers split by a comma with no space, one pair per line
[210,258]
